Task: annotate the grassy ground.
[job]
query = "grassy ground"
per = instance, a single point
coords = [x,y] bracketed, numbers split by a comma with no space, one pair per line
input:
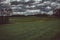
[30,28]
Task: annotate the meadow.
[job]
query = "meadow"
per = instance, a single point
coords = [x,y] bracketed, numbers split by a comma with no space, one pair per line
[30,28]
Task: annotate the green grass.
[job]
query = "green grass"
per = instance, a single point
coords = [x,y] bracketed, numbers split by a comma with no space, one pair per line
[30,28]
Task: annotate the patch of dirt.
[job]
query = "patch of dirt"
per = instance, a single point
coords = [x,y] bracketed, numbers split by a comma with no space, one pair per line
[57,36]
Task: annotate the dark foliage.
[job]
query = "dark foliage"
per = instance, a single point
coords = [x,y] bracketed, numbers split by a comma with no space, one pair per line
[56,13]
[41,15]
[18,16]
[4,19]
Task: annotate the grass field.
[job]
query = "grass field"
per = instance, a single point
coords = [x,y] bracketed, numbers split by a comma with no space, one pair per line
[30,28]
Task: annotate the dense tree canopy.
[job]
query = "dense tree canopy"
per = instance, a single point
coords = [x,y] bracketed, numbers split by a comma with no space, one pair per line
[57,12]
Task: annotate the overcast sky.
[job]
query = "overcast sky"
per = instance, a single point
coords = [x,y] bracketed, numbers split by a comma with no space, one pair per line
[20,0]
[45,2]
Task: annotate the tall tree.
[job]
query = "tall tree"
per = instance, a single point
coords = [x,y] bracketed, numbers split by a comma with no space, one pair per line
[56,12]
